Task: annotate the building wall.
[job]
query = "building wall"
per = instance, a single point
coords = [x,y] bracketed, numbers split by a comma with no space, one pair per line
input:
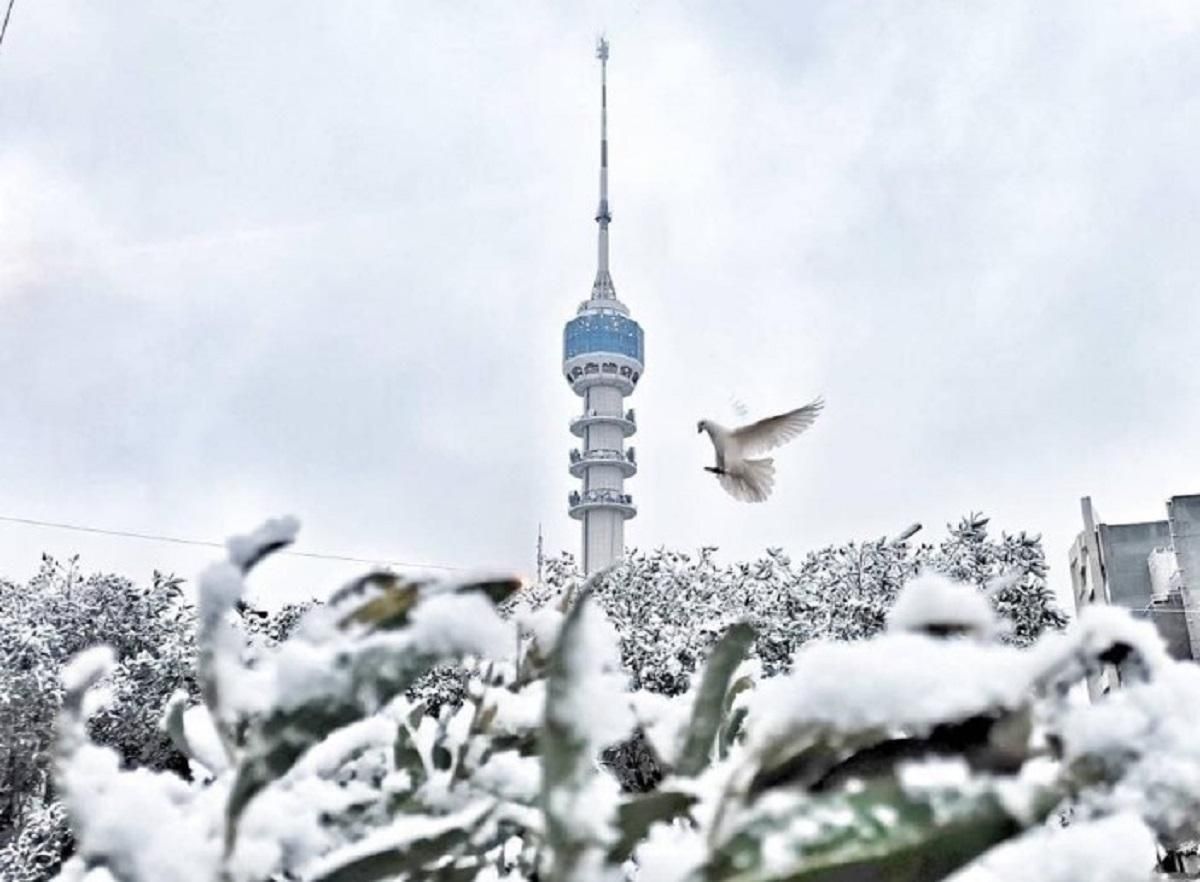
[605,400]
[1087,586]
[1170,617]
[1087,577]
[1110,564]
[603,538]
[1125,550]
[1183,513]
[603,529]
[605,477]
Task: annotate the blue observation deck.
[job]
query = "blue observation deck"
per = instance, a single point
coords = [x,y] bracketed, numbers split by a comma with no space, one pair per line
[603,332]
[602,348]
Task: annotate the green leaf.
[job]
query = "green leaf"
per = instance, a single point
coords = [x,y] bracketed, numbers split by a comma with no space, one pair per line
[880,834]
[281,738]
[496,590]
[708,710]
[730,731]
[173,723]
[376,674]
[408,858]
[389,607]
[393,597]
[567,763]
[637,815]
[405,755]
[801,758]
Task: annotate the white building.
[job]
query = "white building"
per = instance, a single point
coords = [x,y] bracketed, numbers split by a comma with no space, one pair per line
[602,360]
[1151,568]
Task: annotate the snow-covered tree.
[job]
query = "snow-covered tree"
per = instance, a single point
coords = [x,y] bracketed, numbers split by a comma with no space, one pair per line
[1013,569]
[46,621]
[43,623]
[668,607]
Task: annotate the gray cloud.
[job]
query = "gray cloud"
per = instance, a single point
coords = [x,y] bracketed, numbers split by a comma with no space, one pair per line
[299,258]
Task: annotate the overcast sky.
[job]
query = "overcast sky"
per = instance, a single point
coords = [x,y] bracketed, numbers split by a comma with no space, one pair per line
[315,258]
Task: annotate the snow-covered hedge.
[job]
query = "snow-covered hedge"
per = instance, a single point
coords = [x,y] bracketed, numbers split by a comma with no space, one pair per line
[907,755]
[669,607]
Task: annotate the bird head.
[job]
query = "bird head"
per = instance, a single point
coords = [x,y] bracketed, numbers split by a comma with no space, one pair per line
[700,426]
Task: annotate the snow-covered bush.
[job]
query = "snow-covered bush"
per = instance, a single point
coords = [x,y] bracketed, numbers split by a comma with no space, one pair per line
[906,755]
[151,629]
[1012,569]
[668,607]
[42,624]
[37,848]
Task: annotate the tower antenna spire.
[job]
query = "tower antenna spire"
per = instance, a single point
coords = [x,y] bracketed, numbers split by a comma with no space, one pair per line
[540,556]
[603,286]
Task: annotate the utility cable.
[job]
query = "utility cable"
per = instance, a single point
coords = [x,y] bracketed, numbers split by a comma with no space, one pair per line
[7,16]
[176,540]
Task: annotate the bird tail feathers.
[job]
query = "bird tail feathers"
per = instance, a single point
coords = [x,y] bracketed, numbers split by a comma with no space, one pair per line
[752,482]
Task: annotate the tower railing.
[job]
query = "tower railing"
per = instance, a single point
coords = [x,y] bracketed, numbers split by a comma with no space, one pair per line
[625,460]
[602,454]
[581,501]
[627,421]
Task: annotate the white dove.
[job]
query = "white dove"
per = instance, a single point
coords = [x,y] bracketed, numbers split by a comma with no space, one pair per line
[751,480]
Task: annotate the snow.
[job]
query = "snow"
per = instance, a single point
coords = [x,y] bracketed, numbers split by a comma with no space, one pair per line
[220,586]
[398,783]
[1100,626]
[664,720]
[203,740]
[543,624]
[306,668]
[86,668]
[1144,735]
[138,822]
[1024,796]
[454,624]
[337,748]
[76,871]
[399,835]
[520,711]
[933,775]
[1115,849]
[298,673]
[904,679]
[932,600]
[245,550]
[895,680]
[285,825]
[588,809]
[596,707]
[511,776]
[1003,582]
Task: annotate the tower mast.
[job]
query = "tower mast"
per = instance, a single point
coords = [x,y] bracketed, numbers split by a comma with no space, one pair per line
[540,557]
[603,286]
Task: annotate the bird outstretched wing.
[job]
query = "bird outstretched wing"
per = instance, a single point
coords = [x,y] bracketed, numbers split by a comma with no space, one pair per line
[769,433]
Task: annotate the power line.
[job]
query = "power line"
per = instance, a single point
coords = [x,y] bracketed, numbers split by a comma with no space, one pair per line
[176,540]
[7,15]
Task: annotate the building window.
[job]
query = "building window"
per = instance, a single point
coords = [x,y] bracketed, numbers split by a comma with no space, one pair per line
[603,333]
